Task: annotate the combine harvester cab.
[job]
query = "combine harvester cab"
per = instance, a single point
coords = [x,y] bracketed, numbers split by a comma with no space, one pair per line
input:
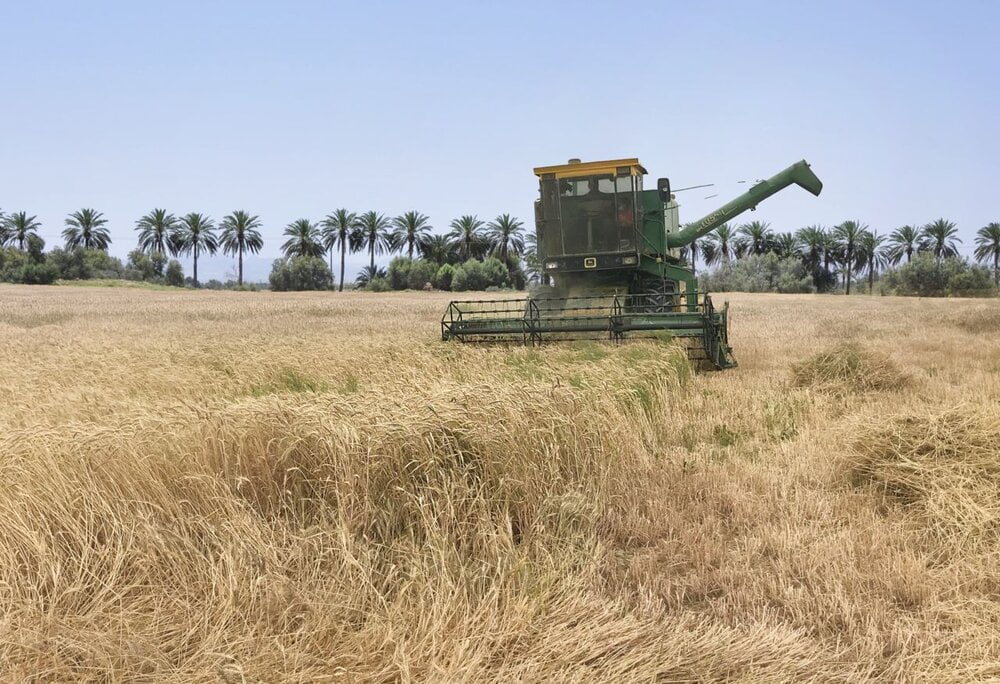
[613,252]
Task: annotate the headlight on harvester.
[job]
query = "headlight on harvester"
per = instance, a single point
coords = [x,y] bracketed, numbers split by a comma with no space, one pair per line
[630,260]
[549,265]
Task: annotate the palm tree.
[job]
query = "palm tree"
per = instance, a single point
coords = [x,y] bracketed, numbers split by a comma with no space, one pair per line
[940,238]
[240,233]
[812,240]
[785,245]
[903,241]
[411,229]
[304,239]
[831,249]
[720,244]
[156,230]
[757,235]
[847,235]
[438,249]
[19,228]
[338,232]
[194,235]
[692,251]
[373,235]
[871,254]
[505,236]
[466,234]
[368,274]
[85,229]
[988,247]
[532,267]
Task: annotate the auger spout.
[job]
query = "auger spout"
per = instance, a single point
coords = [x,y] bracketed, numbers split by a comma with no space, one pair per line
[798,173]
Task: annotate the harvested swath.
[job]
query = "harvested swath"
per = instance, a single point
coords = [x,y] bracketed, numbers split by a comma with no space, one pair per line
[849,367]
[945,464]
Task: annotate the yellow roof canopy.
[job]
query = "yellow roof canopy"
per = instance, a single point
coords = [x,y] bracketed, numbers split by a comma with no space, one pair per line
[593,168]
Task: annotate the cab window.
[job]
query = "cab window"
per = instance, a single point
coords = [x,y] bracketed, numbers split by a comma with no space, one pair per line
[575,187]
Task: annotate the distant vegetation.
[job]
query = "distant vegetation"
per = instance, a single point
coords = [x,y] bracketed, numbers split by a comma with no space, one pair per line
[473,255]
[909,261]
[476,255]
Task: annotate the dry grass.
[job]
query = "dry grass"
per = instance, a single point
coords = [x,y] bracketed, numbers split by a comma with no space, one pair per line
[258,487]
[984,319]
[944,463]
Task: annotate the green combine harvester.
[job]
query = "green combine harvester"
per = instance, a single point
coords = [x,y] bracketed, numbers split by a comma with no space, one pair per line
[610,256]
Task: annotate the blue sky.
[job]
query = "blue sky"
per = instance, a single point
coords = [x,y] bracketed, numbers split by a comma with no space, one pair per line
[293,109]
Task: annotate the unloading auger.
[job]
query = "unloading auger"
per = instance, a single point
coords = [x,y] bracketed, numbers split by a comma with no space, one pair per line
[610,257]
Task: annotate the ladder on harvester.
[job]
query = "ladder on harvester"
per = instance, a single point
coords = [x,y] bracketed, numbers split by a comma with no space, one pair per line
[690,316]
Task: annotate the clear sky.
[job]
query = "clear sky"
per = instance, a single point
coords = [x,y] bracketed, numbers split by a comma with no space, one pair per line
[292,109]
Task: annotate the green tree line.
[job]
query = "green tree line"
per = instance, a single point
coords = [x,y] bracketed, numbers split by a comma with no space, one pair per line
[842,255]
[162,235]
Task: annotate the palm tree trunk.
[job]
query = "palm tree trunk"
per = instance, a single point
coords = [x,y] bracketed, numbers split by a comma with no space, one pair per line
[196,266]
[996,266]
[371,250]
[239,280]
[343,251]
[411,248]
[847,271]
[871,278]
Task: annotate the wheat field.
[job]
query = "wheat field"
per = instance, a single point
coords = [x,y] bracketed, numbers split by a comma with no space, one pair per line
[247,487]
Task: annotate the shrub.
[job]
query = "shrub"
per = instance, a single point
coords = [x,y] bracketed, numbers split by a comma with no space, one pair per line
[759,273]
[69,264]
[29,267]
[174,274]
[926,276]
[469,276]
[300,273]
[517,276]
[26,267]
[975,281]
[84,264]
[379,284]
[421,273]
[399,272]
[497,273]
[443,277]
[37,274]
[141,265]
[100,264]
[479,275]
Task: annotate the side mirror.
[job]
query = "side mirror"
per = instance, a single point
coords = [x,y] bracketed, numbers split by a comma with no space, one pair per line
[663,188]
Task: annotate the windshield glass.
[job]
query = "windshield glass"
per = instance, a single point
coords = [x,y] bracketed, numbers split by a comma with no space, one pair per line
[596,215]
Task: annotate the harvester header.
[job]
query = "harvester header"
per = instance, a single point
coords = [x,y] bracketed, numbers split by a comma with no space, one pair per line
[609,252]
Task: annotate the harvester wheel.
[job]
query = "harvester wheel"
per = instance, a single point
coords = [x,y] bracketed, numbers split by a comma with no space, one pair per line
[660,295]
